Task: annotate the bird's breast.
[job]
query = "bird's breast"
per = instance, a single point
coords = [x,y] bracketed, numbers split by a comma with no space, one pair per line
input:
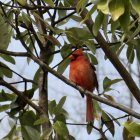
[82,74]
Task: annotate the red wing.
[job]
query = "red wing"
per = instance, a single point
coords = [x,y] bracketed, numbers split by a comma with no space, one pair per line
[96,81]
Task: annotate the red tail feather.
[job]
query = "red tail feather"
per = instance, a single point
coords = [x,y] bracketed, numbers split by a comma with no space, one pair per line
[90,114]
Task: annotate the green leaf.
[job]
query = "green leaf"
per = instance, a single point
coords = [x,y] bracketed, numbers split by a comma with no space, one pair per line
[60,117]
[40,121]
[125,18]
[108,122]
[8,58]
[127,135]
[98,23]
[66,50]
[92,59]
[4,107]
[29,133]
[5,33]
[10,135]
[81,5]
[76,18]
[114,119]
[91,46]
[62,67]
[36,77]
[109,97]
[50,3]
[52,39]
[58,109]
[26,19]
[47,134]
[61,128]
[61,13]
[130,54]
[22,2]
[89,14]
[138,51]
[4,70]
[116,8]
[28,119]
[114,26]
[108,82]
[6,96]
[97,110]
[103,6]
[134,34]
[78,35]
[133,128]
[61,102]
[105,26]
[136,5]
[51,106]
[89,128]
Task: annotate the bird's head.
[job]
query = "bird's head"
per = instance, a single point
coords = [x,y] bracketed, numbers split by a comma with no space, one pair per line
[76,54]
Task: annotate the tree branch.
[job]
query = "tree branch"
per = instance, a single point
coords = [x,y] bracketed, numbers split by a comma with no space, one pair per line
[72,84]
[20,54]
[113,58]
[20,94]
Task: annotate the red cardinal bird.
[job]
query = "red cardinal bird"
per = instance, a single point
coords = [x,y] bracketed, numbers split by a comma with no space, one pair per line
[83,74]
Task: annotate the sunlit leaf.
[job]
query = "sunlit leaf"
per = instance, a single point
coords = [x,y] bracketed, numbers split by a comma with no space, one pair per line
[116,8]
[103,6]
[133,128]
[127,135]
